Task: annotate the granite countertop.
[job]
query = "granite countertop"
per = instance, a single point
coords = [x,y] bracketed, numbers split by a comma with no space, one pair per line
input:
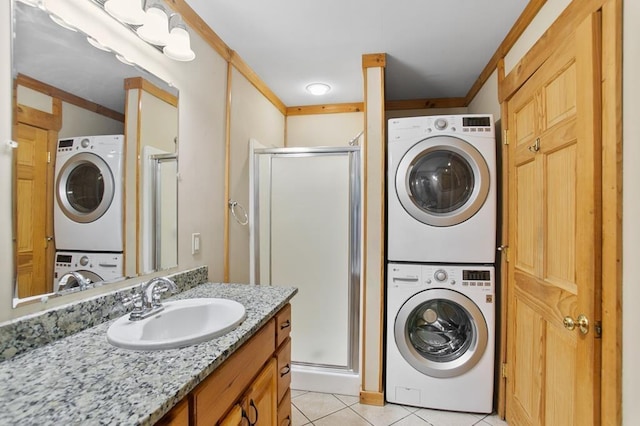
[82,379]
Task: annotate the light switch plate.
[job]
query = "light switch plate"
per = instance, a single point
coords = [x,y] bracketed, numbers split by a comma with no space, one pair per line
[195,243]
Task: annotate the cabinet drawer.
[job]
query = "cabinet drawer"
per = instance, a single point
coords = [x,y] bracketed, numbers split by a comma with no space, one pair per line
[283,324]
[284,368]
[284,410]
[225,385]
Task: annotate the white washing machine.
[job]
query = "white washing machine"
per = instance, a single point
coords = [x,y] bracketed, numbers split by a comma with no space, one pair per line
[96,267]
[88,211]
[440,336]
[442,189]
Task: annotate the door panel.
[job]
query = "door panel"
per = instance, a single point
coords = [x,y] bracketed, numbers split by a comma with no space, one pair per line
[553,372]
[32,210]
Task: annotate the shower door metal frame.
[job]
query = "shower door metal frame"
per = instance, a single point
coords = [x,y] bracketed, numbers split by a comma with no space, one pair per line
[355,224]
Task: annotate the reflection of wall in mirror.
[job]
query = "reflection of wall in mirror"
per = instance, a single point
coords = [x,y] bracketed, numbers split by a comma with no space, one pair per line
[152,121]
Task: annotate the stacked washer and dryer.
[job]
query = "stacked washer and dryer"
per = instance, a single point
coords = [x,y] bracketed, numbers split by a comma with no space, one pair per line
[441,244]
[88,210]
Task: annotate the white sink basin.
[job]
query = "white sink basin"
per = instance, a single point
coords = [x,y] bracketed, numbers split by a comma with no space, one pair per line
[181,323]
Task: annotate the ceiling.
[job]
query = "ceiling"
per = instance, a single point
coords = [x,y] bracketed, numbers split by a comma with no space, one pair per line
[435,48]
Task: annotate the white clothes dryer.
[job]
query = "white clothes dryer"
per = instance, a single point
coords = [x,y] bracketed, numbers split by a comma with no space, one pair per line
[96,267]
[88,211]
[440,336]
[442,189]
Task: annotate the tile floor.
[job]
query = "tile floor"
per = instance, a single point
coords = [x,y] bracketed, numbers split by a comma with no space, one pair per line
[323,409]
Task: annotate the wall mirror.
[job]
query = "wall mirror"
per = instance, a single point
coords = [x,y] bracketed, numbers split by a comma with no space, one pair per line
[95,167]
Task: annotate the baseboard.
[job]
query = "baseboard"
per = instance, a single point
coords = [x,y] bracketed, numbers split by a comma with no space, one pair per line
[372,398]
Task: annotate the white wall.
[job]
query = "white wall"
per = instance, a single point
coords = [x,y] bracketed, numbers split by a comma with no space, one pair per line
[202,86]
[399,113]
[323,129]
[486,100]
[631,214]
[252,117]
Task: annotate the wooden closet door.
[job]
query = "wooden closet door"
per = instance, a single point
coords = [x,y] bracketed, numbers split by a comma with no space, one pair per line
[554,225]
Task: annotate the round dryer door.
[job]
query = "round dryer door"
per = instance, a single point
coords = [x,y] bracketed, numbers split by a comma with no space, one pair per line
[442,181]
[85,188]
[441,333]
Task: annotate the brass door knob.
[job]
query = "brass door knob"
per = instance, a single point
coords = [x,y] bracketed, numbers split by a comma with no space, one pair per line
[582,322]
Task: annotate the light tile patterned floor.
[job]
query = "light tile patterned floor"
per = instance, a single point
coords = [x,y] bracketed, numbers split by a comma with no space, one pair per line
[323,409]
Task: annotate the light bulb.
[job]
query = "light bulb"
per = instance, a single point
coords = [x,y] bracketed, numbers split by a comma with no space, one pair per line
[156,27]
[127,11]
[318,89]
[179,46]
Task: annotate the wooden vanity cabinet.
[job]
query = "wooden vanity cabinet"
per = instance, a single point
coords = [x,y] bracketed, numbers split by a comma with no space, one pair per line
[251,387]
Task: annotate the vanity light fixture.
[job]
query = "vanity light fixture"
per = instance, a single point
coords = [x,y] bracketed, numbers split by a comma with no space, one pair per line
[127,11]
[155,29]
[179,45]
[124,60]
[318,89]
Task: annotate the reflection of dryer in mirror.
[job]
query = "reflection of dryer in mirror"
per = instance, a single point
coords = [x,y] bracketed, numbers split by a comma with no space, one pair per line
[442,189]
[96,267]
[88,211]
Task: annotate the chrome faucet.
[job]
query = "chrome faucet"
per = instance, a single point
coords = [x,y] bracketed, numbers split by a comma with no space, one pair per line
[81,281]
[147,302]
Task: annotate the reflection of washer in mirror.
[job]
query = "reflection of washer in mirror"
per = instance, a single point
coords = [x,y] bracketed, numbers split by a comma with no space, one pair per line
[89,208]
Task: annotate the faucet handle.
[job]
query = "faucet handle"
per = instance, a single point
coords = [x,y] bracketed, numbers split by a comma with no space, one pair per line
[134,300]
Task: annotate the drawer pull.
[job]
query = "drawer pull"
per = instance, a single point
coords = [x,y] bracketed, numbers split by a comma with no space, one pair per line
[285,370]
[286,421]
[285,324]
[253,405]
[245,417]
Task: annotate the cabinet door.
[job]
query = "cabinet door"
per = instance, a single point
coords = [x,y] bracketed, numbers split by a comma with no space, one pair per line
[261,398]
[234,417]
[178,416]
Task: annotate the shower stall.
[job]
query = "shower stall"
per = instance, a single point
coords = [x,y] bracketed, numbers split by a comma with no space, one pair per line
[305,232]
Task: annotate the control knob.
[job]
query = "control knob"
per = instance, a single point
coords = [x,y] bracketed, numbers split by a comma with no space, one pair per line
[84,260]
[440,275]
[440,124]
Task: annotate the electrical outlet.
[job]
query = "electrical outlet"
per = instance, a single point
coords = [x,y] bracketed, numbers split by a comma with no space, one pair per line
[195,243]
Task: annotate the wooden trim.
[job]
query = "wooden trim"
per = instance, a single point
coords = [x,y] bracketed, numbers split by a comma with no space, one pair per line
[138,181]
[147,86]
[521,24]
[426,103]
[325,109]
[372,398]
[504,241]
[39,86]
[37,118]
[382,254]
[611,377]
[365,188]
[227,175]
[374,60]
[257,82]
[196,23]
[568,20]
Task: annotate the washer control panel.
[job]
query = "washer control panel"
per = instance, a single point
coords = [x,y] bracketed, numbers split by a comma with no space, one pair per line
[452,276]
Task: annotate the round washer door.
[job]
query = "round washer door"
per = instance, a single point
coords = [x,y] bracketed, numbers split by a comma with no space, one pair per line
[442,181]
[85,187]
[441,333]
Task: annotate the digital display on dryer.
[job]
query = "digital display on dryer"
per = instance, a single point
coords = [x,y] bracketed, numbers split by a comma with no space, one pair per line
[476,121]
[468,275]
[65,143]
[63,258]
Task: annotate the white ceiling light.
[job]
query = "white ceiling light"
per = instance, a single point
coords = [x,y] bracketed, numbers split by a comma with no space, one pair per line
[128,11]
[156,25]
[179,45]
[318,89]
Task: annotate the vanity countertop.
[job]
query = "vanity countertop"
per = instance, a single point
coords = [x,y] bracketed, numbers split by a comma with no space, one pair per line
[82,379]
